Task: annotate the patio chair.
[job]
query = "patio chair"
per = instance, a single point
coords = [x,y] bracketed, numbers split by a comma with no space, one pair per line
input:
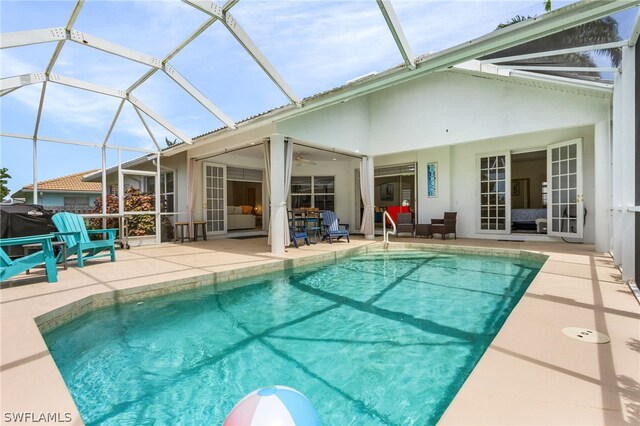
[11,267]
[405,223]
[445,226]
[74,233]
[298,228]
[332,227]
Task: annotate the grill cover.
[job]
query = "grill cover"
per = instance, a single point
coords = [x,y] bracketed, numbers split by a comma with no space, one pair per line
[21,220]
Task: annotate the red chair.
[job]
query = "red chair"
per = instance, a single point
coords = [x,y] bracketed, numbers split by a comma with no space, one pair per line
[394,210]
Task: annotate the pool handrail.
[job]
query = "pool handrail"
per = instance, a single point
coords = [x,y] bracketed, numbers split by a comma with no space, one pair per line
[386,234]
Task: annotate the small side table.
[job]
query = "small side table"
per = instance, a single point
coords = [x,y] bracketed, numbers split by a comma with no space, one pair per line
[37,246]
[424,230]
[203,227]
[182,226]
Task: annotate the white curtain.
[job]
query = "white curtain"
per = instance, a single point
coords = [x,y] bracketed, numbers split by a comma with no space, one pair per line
[367,226]
[267,179]
[191,192]
[288,164]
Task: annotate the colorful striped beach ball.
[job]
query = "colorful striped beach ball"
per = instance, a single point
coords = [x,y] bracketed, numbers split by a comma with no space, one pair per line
[273,405]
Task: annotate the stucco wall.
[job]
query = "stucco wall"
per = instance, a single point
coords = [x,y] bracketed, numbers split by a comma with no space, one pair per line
[458,175]
[446,108]
[451,107]
[343,126]
[447,117]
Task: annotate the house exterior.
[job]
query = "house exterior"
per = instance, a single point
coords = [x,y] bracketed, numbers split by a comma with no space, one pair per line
[472,121]
[518,155]
[66,193]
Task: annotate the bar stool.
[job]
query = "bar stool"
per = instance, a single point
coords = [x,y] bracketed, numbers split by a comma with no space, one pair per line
[203,227]
[182,226]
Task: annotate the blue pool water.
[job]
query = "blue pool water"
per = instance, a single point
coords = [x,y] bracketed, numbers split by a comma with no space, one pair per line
[383,338]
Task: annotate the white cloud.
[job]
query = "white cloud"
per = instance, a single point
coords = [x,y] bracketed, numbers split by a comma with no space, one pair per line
[312,43]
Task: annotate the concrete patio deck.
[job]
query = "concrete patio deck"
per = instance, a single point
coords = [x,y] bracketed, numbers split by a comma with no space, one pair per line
[531,374]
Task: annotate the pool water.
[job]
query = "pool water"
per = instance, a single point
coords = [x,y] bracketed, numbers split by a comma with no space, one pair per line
[381,338]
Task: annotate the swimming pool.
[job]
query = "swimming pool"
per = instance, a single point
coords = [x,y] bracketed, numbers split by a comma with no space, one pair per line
[380,338]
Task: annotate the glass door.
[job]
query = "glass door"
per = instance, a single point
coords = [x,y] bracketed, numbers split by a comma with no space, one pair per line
[214,197]
[564,171]
[494,171]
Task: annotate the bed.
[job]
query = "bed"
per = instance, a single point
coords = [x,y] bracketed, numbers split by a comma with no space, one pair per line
[529,220]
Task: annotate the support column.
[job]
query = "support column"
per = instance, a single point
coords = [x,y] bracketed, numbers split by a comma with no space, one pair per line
[278,202]
[624,167]
[602,200]
[158,207]
[35,171]
[629,256]
[637,161]
[104,187]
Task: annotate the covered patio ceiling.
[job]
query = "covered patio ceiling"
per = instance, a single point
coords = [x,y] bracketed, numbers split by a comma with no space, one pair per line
[165,71]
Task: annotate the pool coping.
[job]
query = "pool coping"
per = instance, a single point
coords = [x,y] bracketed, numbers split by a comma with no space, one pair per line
[25,372]
[55,318]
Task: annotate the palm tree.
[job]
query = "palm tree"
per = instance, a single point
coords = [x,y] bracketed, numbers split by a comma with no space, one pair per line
[604,30]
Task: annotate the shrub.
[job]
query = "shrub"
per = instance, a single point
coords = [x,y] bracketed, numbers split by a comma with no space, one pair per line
[134,201]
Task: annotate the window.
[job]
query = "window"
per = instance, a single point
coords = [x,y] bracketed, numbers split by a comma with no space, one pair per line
[313,191]
[166,191]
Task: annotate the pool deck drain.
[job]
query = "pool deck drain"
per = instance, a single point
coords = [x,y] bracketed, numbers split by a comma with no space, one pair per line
[530,374]
[585,335]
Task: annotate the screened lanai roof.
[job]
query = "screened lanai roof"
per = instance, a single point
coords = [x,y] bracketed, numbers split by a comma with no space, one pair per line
[144,75]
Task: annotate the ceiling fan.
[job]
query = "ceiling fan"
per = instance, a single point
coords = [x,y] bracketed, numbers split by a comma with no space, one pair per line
[300,160]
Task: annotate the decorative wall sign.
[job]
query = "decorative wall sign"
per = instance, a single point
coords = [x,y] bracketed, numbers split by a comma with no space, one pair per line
[432,180]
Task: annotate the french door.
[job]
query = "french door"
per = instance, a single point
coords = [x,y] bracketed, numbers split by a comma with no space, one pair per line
[495,173]
[565,207]
[214,197]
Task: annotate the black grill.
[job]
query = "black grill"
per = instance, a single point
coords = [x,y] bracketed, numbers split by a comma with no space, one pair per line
[21,220]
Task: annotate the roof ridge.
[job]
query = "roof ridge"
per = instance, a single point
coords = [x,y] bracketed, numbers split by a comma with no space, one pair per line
[30,186]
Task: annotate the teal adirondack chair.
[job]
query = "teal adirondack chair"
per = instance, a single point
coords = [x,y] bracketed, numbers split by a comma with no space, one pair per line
[10,268]
[74,233]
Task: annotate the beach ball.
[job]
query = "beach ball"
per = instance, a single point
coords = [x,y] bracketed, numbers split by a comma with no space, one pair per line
[273,405]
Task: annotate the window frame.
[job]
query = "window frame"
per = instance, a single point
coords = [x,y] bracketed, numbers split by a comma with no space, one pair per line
[149,184]
[312,194]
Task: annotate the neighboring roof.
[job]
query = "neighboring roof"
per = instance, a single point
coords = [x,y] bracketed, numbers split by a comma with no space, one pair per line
[69,183]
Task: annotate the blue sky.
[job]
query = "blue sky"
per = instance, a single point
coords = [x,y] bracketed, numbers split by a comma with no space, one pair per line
[314,45]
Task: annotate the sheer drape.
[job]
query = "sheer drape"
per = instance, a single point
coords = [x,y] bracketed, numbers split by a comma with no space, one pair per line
[288,164]
[367,226]
[267,181]
[191,192]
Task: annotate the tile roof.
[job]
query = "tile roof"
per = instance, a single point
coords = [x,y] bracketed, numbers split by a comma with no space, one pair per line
[68,183]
